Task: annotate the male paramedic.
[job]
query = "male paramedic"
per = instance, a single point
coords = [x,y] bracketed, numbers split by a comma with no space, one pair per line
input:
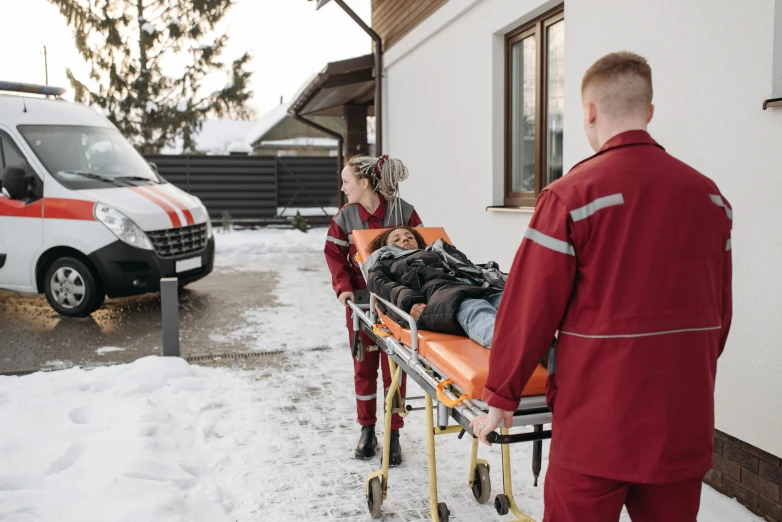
[628,258]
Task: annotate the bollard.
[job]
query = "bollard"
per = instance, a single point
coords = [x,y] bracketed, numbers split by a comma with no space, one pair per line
[169,307]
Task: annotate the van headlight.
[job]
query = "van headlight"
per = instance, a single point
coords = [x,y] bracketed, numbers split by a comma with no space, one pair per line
[209,231]
[122,227]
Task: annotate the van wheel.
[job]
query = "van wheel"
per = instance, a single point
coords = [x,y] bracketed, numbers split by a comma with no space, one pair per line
[71,288]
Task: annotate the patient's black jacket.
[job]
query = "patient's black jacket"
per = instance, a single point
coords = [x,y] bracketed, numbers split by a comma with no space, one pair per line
[424,276]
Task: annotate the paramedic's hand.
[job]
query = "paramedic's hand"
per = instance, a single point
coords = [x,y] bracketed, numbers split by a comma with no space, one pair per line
[485,424]
[344,296]
[417,310]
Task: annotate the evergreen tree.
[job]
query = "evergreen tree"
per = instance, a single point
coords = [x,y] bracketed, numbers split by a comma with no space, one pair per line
[126,44]
[299,223]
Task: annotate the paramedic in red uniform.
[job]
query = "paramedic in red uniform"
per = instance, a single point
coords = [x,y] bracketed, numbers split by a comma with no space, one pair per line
[371,186]
[628,257]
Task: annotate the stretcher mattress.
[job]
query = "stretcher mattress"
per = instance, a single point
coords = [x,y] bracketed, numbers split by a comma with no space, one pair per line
[462,360]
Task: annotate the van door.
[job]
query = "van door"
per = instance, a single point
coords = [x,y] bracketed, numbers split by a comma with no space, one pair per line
[21,224]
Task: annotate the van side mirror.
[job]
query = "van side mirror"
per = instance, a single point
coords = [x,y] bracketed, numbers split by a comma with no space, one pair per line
[15,183]
[153,165]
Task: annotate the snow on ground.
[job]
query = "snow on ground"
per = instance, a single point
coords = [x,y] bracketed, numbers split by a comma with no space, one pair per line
[161,440]
[109,349]
[306,212]
[305,315]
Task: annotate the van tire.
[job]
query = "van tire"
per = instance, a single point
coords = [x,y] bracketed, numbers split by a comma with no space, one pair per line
[85,281]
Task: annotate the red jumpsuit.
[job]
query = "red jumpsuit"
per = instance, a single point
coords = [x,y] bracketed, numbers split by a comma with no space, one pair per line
[629,258]
[346,277]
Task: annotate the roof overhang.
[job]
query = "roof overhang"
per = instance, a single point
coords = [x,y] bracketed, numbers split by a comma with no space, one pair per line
[321,3]
[346,82]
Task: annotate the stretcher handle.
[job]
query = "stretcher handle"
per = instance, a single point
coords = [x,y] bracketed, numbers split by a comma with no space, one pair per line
[451,403]
[411,325]
[496,438]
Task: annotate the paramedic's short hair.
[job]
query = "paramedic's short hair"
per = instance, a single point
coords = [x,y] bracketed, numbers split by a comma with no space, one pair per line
[622,83]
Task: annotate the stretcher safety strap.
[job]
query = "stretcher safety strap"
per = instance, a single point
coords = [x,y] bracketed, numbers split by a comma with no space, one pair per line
[648,334]
[598,204]
[380,331]
[451,403]
[557,245]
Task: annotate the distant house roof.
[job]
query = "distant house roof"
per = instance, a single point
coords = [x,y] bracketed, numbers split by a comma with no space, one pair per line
[215,137]
[321,99]
[278,124]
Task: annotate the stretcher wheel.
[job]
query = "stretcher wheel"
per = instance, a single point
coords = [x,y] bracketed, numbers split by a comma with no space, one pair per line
[443,512]
[374,497]
[502,504]
[481,484]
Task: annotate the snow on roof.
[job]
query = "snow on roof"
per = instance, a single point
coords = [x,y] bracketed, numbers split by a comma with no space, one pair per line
[240,147]
[215,137]
[276,116]
[267,122]
[301,142]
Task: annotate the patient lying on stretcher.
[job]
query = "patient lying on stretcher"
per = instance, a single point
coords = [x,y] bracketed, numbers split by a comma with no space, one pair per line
[437,285]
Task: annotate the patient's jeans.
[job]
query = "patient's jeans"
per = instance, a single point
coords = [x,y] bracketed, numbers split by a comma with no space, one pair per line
[477,318]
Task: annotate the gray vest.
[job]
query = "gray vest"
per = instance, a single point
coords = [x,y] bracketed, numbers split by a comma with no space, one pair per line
[398,213]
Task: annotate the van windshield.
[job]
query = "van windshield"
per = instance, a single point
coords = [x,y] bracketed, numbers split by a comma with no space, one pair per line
[88,157]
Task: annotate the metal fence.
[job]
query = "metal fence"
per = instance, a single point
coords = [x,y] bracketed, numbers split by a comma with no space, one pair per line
[252,188]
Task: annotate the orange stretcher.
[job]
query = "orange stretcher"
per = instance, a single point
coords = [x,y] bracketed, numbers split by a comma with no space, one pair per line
[452,371]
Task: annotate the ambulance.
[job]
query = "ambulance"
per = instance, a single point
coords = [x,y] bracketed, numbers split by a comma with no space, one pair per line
[83,215]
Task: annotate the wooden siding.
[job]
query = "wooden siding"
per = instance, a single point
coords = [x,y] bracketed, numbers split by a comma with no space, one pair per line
[393,19]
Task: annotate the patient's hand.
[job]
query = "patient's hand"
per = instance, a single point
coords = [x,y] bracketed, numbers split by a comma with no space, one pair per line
[417,310]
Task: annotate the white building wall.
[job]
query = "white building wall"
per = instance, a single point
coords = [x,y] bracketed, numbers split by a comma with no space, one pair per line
[712,63]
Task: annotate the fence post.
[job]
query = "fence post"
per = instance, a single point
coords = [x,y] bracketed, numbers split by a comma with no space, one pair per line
[169,306]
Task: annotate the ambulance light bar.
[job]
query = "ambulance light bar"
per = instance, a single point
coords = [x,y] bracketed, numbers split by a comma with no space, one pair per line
[31,88]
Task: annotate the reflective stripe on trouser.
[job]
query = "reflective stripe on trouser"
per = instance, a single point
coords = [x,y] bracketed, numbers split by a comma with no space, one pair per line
[365,378]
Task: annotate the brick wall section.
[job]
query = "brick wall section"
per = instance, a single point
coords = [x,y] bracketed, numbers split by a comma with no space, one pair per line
[749,474]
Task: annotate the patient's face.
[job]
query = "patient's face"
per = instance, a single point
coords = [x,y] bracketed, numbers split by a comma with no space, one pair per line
[402,238]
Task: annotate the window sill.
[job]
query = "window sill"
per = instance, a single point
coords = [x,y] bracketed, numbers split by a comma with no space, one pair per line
[523,210]
[773,102]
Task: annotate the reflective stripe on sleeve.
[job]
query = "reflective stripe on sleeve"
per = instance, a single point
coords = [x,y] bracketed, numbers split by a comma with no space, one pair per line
[549,242]
[337,241]
[717,200]
[598,204]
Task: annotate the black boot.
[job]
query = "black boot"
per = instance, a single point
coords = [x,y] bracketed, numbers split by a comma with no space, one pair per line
[395,452]
[367,443]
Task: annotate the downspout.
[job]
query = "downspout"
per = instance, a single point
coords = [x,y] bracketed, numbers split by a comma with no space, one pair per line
[340,144]
[378,74]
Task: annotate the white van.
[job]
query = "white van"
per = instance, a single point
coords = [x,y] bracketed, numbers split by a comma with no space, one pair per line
[82,214]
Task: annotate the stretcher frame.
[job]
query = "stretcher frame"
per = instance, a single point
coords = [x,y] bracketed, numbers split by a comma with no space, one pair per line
[447,400]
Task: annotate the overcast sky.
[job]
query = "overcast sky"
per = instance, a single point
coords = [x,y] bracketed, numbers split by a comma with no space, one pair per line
[289,41]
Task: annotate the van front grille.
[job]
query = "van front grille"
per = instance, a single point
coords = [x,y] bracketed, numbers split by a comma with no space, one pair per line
[175,242]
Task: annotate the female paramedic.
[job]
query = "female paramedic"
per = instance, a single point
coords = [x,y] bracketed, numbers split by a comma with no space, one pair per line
[371,186]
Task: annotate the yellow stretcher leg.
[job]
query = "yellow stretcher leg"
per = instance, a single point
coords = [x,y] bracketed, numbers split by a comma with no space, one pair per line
[377,482]
[506,482]
[432,459]
[479,481]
